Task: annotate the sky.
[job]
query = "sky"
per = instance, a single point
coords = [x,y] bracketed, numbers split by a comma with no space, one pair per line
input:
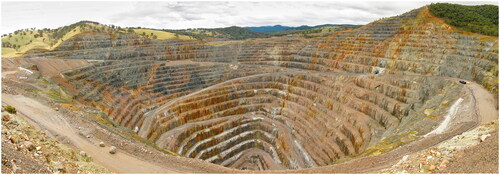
[205,14]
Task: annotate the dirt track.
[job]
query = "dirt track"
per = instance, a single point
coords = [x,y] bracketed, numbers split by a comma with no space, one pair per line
[485,103]
[48,119]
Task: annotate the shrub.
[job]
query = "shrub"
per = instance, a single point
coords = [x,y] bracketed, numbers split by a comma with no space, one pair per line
[10,109]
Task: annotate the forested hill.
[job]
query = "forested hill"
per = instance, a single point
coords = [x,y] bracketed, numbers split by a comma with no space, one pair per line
[232,33]
[481,19]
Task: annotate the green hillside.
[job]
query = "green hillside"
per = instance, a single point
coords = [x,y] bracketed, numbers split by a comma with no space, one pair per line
[315,32]
[481,19]
[19,42]
[231,33]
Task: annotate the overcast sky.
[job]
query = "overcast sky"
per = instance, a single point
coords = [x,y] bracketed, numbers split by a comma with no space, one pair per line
[190,14]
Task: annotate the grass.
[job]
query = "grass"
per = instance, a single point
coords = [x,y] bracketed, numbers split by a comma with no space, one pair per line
[8,52]
[33,90]
[44,81]
[103,119]
[388,144]
[54,95]
[67,36]
[162,35]
[218,43]
[58,97]
[27,42]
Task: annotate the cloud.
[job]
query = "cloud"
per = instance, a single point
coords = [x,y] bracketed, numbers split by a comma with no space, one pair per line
[205,14]
[178,15]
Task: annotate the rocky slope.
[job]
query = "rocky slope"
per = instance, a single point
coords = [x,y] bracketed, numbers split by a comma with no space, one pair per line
[283,103]
[26,149]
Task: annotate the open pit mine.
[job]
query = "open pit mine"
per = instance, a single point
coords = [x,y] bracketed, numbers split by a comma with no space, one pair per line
[354,101]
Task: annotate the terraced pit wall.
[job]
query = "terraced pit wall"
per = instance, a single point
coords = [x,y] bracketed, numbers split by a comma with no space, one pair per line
[413,43]
[280,103]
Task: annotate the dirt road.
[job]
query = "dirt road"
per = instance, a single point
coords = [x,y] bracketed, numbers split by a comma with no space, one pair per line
[485,103]
[48,119]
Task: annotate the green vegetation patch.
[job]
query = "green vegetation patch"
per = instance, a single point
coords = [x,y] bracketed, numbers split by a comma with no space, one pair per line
[160,35]
[231,33]
[10,109]
[481,19]
[17,43]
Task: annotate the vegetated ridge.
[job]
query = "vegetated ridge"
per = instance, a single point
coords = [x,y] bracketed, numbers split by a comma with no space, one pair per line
[231,33]
[276,29]
[21,41]
[267,29]
[481,19]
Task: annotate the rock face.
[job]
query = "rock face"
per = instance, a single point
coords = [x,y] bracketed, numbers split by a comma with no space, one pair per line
[280,103]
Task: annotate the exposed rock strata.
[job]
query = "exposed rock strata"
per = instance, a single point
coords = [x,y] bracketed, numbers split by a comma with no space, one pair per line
[280,103]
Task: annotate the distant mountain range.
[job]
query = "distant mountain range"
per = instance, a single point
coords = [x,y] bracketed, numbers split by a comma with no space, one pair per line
[276,28]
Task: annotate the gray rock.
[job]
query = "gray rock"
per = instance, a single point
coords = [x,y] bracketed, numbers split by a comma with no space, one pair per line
[112,150]
[483,137]
[29,145]
[59,167]
[83,153]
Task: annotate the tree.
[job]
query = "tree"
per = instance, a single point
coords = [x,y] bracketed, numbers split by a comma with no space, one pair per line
[481,19]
